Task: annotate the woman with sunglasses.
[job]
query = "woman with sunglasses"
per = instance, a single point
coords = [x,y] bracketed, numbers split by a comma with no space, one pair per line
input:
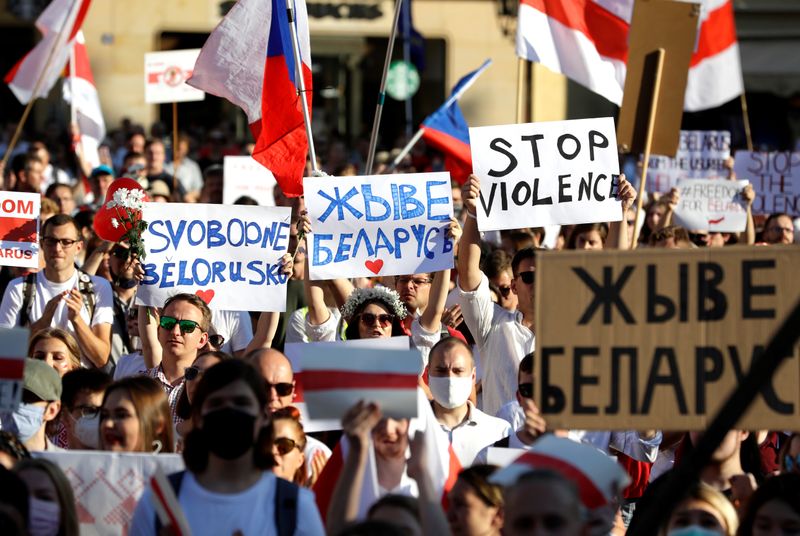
[288,446]
[135,417]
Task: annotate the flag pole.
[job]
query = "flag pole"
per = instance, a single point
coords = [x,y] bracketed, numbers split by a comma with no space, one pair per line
[176,161]
[301,86]
[648,142]
[373,140]
[73,115]
[520,89]
[29,106]
[746,117]
[407,149]
[407,59]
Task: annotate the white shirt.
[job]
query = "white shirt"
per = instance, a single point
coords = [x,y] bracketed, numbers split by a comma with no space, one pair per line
[502,342]
[512,413]
[130,365]
[250,512]
[44,291]
[296,327]
[477,431]
[235,326]
[189,174]
[627,442]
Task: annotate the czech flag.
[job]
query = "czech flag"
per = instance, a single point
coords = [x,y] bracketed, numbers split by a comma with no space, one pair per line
[255,70]
[448,131]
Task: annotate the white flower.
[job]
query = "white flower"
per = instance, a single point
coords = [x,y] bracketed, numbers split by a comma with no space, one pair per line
[121,197]
[136,195]
[114,223]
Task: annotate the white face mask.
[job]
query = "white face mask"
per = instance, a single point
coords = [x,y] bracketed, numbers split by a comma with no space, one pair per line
[87,430]
[44,517]
[450,391]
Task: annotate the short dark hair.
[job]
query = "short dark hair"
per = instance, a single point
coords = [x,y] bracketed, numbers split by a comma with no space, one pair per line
[58,220]
[526,365]
[521,255]
[446,344]
[477,476]
[404,502]
[495,263]
[79,380]
[601,228]
[197,301]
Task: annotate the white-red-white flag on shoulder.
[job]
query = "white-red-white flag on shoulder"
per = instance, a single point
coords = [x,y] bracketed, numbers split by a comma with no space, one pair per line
[59,24]
[587,41]
[81,93]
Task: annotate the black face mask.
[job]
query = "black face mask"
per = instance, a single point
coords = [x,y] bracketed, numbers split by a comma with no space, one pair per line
[228,432]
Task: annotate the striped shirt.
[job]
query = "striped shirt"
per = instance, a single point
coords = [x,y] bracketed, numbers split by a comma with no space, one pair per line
[173,391]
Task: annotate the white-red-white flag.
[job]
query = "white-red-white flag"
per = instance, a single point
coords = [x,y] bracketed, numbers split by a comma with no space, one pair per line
[59,24]
[80,91]
[587,41]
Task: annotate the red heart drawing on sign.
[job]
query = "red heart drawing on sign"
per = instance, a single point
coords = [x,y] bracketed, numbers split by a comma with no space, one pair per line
[205,295]
[374,266]
[717,221]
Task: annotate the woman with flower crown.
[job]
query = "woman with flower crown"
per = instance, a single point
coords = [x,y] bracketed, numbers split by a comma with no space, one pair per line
[372,313]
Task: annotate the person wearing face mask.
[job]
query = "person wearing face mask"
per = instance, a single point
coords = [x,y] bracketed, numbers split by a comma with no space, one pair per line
[41,402]
[81,401]
[51,503]
[228,487]
[451,377]
[703,512]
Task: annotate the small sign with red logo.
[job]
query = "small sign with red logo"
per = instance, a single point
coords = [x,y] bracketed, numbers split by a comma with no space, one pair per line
[165,75]
[14,343]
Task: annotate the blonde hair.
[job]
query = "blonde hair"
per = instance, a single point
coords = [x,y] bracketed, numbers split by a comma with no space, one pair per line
[61,335]
[704,493]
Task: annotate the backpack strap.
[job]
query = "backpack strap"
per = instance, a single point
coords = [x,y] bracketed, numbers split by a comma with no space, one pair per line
[175,480]
[28,290]
[286,506]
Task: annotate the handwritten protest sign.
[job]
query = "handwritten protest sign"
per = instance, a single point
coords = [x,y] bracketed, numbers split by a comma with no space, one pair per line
[711,204]
[775,178]
[108,485]
[379,225]
[701,155]
[229,256]
[14,344]
[337,377]
[19,229]
[537,174]
[244,176]
[660,338]
[294,351]
[165,75]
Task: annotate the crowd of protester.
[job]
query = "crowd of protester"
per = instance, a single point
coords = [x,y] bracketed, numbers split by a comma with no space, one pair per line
[105,374]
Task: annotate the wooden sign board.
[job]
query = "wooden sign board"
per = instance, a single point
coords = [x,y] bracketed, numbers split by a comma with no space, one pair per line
[659,338]
[656,24]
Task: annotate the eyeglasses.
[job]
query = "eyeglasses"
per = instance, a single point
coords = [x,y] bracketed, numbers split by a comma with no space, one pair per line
[417,281]
[792,464]
[505,291]
[369,319]
[285,445]
[283,389]
[525,390]
[192,373]
[87,411]
[528,277]
[187,326]
[51,242]
[216,340]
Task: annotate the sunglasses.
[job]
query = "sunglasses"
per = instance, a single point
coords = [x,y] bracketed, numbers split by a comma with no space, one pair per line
[369,319]
[525,390]
[192,373]
[50,242]
[216,340]
[283,389]
[187,326]
[505,291]
[285,445]
[527,277]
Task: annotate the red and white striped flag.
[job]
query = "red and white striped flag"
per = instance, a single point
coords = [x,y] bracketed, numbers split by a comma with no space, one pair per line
[59,24]
[81,93]
[587,41]
[598,477]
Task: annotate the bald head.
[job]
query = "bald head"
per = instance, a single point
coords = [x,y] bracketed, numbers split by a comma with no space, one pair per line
[277,372]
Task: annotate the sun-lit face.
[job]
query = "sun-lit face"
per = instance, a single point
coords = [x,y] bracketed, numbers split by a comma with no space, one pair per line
[119,424]
[374,322]
[390,438]
[55,353]
[57,256]
[698,513]
[289,458]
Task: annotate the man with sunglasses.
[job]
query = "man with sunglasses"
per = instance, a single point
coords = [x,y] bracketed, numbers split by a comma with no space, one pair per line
[502,336]
[62,296]
[279,379]
[182,332]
